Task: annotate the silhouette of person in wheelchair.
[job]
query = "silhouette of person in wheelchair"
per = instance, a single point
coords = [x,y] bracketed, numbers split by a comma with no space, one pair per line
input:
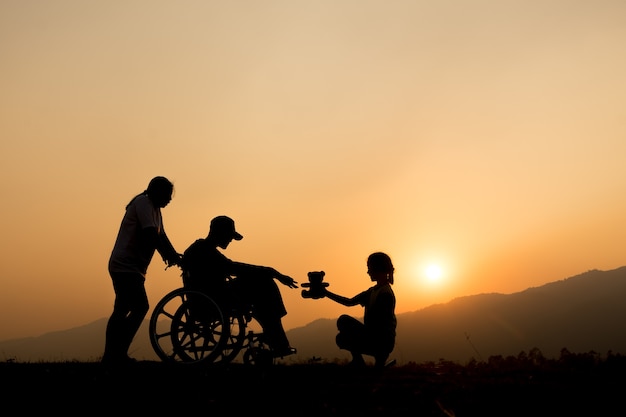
[236,284]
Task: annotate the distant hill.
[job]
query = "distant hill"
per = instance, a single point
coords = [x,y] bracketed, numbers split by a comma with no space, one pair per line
[583,313]
[84,343]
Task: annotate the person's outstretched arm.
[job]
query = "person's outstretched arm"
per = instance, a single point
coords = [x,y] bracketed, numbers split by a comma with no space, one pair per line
[348,302]
[243,268]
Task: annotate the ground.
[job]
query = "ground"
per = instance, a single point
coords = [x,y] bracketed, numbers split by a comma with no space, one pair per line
[582,386]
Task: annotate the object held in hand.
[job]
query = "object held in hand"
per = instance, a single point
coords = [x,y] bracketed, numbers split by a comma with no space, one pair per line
[315,285]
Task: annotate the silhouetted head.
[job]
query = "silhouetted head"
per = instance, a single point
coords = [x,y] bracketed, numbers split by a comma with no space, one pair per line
[160,191]
[379,266]
[223,227]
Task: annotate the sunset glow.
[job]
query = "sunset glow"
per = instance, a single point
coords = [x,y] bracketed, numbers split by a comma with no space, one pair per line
[480,145]
[433,273]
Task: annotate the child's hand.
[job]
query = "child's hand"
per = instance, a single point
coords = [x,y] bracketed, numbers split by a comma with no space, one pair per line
[317,288]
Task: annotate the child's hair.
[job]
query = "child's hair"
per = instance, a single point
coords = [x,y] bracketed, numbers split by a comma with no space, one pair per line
[381,262]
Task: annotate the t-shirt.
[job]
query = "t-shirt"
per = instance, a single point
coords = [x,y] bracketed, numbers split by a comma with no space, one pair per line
[379,316]
[131,252]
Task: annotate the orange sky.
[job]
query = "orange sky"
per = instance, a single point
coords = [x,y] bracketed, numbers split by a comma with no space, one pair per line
[487,137]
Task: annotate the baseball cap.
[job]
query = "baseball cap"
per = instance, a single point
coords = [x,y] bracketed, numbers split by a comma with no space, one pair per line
[225,226]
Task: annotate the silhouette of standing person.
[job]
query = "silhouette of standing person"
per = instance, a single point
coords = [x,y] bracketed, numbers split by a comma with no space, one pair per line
[376,335]
[141,233]
[208,270]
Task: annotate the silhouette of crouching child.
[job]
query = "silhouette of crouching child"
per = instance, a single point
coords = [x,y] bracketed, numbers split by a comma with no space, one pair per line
[359,340]
[376,335]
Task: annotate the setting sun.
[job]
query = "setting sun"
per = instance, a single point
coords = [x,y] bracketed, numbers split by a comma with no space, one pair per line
[433,273]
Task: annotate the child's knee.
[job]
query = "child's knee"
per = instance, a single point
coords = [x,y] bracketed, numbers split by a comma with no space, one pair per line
[345,321]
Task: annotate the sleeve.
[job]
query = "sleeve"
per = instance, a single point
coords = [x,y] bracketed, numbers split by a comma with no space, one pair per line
[147,215]
[363,298]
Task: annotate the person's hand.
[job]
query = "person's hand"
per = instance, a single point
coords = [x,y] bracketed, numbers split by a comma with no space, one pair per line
[175,261]
[286,280]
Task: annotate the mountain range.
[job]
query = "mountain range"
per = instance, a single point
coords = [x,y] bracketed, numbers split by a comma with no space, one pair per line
[581,314]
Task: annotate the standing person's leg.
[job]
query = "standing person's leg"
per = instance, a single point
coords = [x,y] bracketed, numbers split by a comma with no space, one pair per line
[129,310]
[351,337]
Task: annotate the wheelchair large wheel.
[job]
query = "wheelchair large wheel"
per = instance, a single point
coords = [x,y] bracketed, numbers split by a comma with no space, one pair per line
[188,327]
[235,338]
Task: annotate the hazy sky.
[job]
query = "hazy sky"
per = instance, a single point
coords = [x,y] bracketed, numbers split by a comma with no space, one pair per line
[486,137]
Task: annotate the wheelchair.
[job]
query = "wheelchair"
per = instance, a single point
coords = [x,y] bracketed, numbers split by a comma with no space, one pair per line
[190,327]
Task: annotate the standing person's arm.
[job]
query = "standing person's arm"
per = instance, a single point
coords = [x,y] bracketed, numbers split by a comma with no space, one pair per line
[160,241]
[167,251]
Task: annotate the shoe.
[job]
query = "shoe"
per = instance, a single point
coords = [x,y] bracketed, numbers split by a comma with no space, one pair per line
[279,353]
